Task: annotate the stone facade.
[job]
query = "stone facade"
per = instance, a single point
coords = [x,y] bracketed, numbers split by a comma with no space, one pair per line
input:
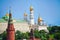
[23,27]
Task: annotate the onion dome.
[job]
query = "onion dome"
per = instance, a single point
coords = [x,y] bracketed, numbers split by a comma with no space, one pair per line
[25,14]
[31,8]
[40,19]
[7,14]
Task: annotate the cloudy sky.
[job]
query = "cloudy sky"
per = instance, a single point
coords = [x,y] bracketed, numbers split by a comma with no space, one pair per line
[49,10]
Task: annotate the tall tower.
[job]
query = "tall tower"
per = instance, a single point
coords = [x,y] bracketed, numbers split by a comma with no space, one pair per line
[31,16]
[10,29]
[25,16]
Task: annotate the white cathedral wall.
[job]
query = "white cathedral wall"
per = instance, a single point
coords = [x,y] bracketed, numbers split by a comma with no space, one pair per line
[3,27]
[43,28]
[23,27]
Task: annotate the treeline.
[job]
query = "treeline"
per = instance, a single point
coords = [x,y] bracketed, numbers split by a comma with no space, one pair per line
[53,34]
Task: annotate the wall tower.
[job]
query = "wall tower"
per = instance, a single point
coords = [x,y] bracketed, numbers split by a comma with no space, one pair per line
[10,29]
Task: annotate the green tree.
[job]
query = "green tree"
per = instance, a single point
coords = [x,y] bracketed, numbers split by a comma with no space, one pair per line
[43,35]
[18,35]
[0,36]
[57,36]
[36,34]
[4,35]
[51,36]
[25,35]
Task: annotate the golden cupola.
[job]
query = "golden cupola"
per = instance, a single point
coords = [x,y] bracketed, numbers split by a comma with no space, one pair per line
[40,19]
[31,8]
[25,14]
[7,14]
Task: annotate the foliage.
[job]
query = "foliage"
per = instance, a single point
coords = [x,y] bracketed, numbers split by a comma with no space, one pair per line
[36,34]
[57,36]
[0,36]
[25,35]
[20,35]
[4,34]
[54,33]
[43,35]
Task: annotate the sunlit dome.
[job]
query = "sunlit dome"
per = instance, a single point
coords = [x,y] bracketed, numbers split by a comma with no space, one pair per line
[25,14]
[31,8]
[7,14]
[40,19]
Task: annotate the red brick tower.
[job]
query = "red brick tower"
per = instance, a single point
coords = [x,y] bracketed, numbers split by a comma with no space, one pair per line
[10,29]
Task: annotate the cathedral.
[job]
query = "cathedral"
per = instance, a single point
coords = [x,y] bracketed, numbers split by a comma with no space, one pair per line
[24,25]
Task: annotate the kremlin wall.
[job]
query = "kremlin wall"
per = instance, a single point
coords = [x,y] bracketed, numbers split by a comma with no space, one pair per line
[23,25]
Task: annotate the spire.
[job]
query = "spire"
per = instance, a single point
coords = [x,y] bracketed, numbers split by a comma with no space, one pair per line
[9,10]
[39,15]
[10,17]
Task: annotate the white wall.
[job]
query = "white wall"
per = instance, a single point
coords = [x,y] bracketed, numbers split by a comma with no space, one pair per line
[23,27]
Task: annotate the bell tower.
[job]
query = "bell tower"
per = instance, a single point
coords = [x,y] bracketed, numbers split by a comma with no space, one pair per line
[10,29]
[31,16]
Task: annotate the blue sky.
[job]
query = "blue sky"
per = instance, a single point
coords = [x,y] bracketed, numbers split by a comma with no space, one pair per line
[49,9]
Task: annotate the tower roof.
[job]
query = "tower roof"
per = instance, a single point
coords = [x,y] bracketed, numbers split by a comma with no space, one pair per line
[7,14]
[10,17]
[31,8]
[25,14]
[40,19]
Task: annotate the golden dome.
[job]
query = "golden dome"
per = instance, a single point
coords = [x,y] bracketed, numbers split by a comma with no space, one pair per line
[39,19]
[25,14]
[31,8]
[7,14]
